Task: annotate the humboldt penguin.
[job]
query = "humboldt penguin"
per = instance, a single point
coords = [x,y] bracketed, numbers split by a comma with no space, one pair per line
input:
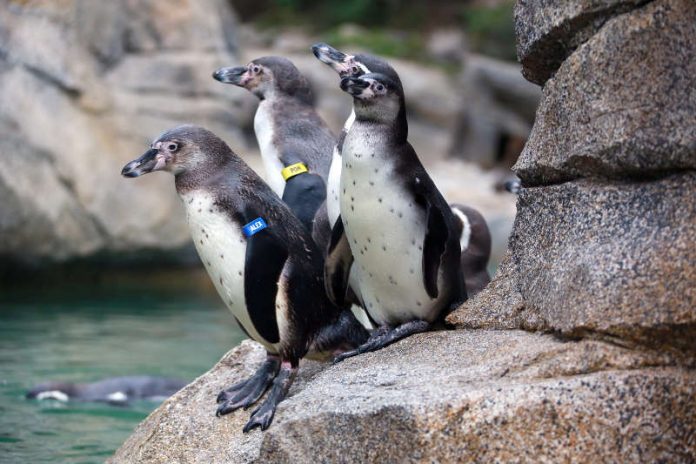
[118,391]
[295,142]
[261,259]
[397,237]
[475,238]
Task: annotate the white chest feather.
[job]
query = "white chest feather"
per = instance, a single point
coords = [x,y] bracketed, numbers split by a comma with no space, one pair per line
[386,231]
[263,127]
[222,249]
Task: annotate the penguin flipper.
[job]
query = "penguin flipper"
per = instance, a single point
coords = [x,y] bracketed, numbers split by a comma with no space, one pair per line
[265,258]
[304,194]
[434,244]
[337,265]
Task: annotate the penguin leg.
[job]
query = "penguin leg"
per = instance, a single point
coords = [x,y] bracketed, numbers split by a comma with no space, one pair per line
[247,392]
[385,336]
[263,415]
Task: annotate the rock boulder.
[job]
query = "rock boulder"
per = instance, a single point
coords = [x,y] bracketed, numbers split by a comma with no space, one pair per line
[623,104]
[478,396]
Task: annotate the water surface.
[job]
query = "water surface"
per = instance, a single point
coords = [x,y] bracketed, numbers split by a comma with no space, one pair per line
[81,332]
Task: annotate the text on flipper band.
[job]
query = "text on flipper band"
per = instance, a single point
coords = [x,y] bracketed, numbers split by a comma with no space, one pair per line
[293,170]
[257,225]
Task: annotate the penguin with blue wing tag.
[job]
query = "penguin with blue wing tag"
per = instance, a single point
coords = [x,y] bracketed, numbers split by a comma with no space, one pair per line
[262,261]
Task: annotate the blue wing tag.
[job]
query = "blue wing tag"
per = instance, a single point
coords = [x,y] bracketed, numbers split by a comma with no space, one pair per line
[257,225]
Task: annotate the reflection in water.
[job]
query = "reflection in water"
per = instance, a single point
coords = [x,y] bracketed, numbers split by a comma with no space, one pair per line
[85,333]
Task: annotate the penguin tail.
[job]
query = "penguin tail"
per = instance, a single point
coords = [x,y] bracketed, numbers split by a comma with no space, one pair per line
[513,186]
[345,333]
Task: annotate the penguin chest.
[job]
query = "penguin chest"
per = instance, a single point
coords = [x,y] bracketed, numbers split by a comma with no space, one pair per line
[333,188]
[386,231]
[221,247]
[265,135]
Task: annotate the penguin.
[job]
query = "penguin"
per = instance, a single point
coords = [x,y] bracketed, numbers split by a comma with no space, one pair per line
[262,261]
[475,238]
[397,237]
[295,142]
[117,391]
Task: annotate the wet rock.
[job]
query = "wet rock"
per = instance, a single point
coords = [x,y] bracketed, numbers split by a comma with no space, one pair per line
[84,87]
[548,31]
[610,257]
[623,105]
[442,396]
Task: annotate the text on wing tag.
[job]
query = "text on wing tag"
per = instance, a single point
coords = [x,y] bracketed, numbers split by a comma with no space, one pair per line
[257,225]
[293,170]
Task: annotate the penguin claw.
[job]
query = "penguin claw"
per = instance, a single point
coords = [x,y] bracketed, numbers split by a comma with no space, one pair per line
[261,417]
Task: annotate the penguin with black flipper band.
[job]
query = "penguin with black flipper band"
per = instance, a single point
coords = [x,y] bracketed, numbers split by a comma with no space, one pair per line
[397,237]
[262,261]
[474,236]
[295,142]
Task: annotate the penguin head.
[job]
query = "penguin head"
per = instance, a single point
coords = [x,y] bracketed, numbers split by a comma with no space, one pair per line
[375,96]
[61,391]
[353,65]
[179,150]
[345,65]
[266,75]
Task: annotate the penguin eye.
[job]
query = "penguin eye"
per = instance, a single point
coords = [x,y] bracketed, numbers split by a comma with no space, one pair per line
[172,147]
[354,69]
[256,69]
[379,87]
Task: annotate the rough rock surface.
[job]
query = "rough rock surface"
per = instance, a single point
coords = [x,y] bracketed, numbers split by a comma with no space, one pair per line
[615,258]
[548,30]
[84,86]
[622,105]
[610,257]
[478,396]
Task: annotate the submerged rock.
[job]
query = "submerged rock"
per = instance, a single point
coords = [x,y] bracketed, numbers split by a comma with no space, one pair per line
[442,396]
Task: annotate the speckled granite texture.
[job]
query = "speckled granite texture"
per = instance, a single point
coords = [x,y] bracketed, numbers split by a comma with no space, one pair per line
[455,396]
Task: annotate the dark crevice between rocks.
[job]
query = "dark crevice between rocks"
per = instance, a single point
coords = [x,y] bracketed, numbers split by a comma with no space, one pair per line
[627,176]
[678,340]
[541,61]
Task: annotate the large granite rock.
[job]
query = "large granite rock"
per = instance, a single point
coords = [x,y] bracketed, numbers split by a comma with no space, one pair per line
[475,396]
[617,258]
[84,87]
[624,104]
[548,30]
[609,258]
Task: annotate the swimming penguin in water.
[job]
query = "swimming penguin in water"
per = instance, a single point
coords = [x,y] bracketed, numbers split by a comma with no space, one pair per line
[397,236]
[295,142]
[262,261]
[119,391]
[475,238]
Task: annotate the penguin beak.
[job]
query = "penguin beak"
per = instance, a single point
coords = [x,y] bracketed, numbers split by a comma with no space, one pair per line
[230,75]
[334,58]
[354,85]
[150,161]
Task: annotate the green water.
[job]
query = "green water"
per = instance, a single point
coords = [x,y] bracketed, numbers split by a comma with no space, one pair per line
[85,332]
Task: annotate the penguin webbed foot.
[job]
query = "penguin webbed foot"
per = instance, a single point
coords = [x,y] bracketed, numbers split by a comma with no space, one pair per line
[262,416]
[248,392]
[384,336]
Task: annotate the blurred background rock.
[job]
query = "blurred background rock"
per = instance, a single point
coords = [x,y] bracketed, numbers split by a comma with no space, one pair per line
[85,86]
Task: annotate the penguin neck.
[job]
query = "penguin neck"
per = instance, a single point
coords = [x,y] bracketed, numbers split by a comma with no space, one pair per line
[395,127]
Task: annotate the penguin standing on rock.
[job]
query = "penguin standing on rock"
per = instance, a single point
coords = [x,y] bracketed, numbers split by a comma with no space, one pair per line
[475,238]
[397,236]
[263,262]
[295,142]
